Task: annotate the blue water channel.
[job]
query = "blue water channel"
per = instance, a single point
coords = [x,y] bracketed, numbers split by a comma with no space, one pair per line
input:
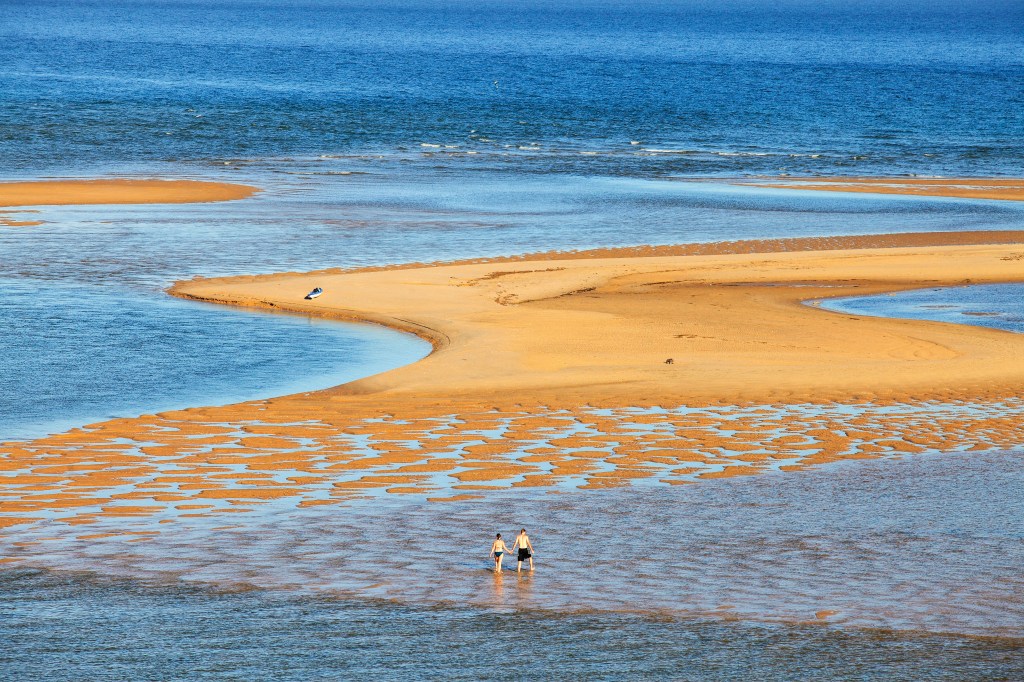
[1000,306]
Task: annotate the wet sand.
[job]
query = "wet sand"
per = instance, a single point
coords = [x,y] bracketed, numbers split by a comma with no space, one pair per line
[1007,189]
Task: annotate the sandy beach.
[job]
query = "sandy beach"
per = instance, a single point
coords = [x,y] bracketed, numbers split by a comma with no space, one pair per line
[596,329]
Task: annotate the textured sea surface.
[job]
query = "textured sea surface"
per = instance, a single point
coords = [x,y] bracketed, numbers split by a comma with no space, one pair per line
[425,130]
[589,86]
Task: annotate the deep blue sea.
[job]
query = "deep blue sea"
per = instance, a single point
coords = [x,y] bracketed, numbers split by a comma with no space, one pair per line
[704,87]
[424,130]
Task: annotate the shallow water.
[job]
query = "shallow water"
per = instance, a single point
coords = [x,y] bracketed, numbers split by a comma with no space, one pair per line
[847,572]
[986,305]
[932,543]
[325,221]
[61,627]
[75,353]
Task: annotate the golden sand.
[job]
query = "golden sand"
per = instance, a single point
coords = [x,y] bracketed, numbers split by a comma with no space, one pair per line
[113,191]
[600,330]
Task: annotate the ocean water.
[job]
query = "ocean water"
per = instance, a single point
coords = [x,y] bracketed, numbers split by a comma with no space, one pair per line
[426,130]
[730,87]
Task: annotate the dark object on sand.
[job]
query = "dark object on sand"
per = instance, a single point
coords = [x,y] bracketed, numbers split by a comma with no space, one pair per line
[670,361]
[313,294]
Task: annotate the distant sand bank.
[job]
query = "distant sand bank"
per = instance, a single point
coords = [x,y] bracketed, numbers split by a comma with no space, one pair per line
[74,192]
[1007,189]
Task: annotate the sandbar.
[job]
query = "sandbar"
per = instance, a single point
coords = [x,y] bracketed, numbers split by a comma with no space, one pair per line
[1005,189]
[119,191]
[601,330]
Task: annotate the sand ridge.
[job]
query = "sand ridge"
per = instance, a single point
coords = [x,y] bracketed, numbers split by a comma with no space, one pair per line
[112,191]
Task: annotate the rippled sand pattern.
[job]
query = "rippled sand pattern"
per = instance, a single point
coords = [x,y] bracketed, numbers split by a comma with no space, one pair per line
[229,460]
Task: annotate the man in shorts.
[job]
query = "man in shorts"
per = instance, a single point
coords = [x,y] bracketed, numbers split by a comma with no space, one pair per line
[525,549]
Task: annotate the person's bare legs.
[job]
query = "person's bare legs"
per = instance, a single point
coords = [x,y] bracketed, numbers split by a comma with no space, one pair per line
[519,566]
[497,563]
[531,562]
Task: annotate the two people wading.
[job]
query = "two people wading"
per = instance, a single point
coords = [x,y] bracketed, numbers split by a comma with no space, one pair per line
[522,546]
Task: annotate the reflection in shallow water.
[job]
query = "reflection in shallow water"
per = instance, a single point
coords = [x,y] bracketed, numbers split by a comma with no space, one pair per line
[931,543]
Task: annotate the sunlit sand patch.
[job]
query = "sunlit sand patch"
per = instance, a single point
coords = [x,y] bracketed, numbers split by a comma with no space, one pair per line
[432,466]
[409,490]
[729,471]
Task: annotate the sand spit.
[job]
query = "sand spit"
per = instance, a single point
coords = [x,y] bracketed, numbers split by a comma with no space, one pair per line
[1007,189]
[600,330]
[119,191]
